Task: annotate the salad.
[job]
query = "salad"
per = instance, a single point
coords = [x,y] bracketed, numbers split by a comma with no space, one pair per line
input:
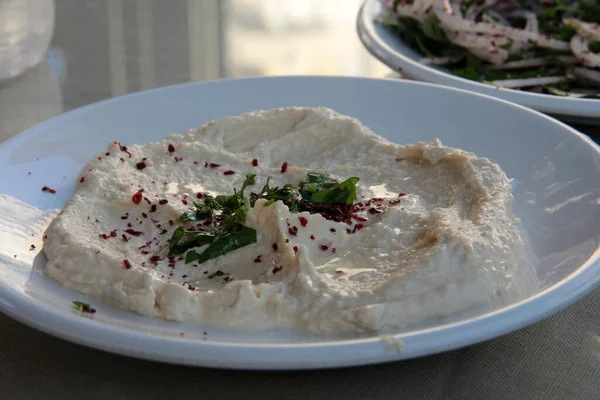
[541,46]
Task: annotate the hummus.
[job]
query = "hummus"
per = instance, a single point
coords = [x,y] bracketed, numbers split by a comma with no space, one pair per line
[432,231]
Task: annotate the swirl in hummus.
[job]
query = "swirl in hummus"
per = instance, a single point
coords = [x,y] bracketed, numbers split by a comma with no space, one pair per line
[430,232]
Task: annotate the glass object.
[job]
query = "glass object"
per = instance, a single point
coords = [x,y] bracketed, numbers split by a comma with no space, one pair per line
[26,28]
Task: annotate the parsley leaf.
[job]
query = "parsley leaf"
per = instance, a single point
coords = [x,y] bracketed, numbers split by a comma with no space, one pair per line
[223,243]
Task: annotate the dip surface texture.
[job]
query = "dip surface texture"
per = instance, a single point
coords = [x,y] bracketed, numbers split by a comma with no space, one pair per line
[437,237]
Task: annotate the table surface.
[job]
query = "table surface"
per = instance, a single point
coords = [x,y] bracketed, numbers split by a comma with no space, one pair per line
[103,49]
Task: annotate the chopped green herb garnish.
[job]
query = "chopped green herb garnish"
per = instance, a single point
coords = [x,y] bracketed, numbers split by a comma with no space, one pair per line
[223,217]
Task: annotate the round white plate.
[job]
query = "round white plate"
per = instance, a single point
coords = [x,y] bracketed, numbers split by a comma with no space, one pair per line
[555,172]
[386,46]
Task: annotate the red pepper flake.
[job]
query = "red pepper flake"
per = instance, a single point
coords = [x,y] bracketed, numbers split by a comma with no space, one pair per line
[303,221]
[229,172]
[293,231]
[337,271]
[32,247]
[228,279]
[374,210]
[133,232]
[177,159]
[153,208]
[184,201]
[361,219]
[205,164]
[254,162]
[275,246]
[324,247]
[357,227]
[104,236]
[213,165]
[333,250]
[124,149]
[129,225]
[295,249]
[195,162]
[284,167]
[163,202]
[141,165]
[137,197]
[163,231]
[127,264]
[171,222]
[258,259]
[147,200]
[154,260]
[287,240]
[312,237]
[82,179]
[401,194]
[199,195]
[113,233]
[171,148]
[124,238]
[48,189]
[277,269]
[144,215]
[332,230]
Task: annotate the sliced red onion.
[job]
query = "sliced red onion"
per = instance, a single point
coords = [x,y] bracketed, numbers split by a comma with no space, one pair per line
[589,30]
[529,82]
[580,47]
[459,24]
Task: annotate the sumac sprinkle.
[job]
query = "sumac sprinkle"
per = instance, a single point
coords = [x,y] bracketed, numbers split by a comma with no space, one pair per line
[163,201]
[184,201]
[137,197]
[229,172]
[124,238]
[171,222]
[303,221]
[275,246]
[125,216]
[284,167]
[144,215]
[134,232]
[171,148]
[199,195]
[153,208]
[195,162]
[295,249]
[312,237]
[333,250]
[293,231]
[124,148]
[104,236]
[127,264]
[255,162]
[48,189]
[82,179]
[332,230]
[277,269]
[205,164]
[141,165]
[324,247]
[258,259]
[401,194]
[113,233]
[374,210]
[213,165]
[107,154]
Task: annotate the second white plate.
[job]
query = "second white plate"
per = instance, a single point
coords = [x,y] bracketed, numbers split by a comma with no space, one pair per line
[386,46]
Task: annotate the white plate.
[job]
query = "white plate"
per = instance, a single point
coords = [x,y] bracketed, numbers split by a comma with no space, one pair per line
[555,171]
[386,46]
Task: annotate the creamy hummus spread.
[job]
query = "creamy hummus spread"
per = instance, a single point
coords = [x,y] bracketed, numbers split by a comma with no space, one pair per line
[430,231]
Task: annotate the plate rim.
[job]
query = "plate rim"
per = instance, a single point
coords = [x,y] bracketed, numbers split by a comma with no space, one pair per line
[587,109]
[281,356]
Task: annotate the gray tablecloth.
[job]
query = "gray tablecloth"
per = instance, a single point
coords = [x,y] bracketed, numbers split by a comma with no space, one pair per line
[104,49]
